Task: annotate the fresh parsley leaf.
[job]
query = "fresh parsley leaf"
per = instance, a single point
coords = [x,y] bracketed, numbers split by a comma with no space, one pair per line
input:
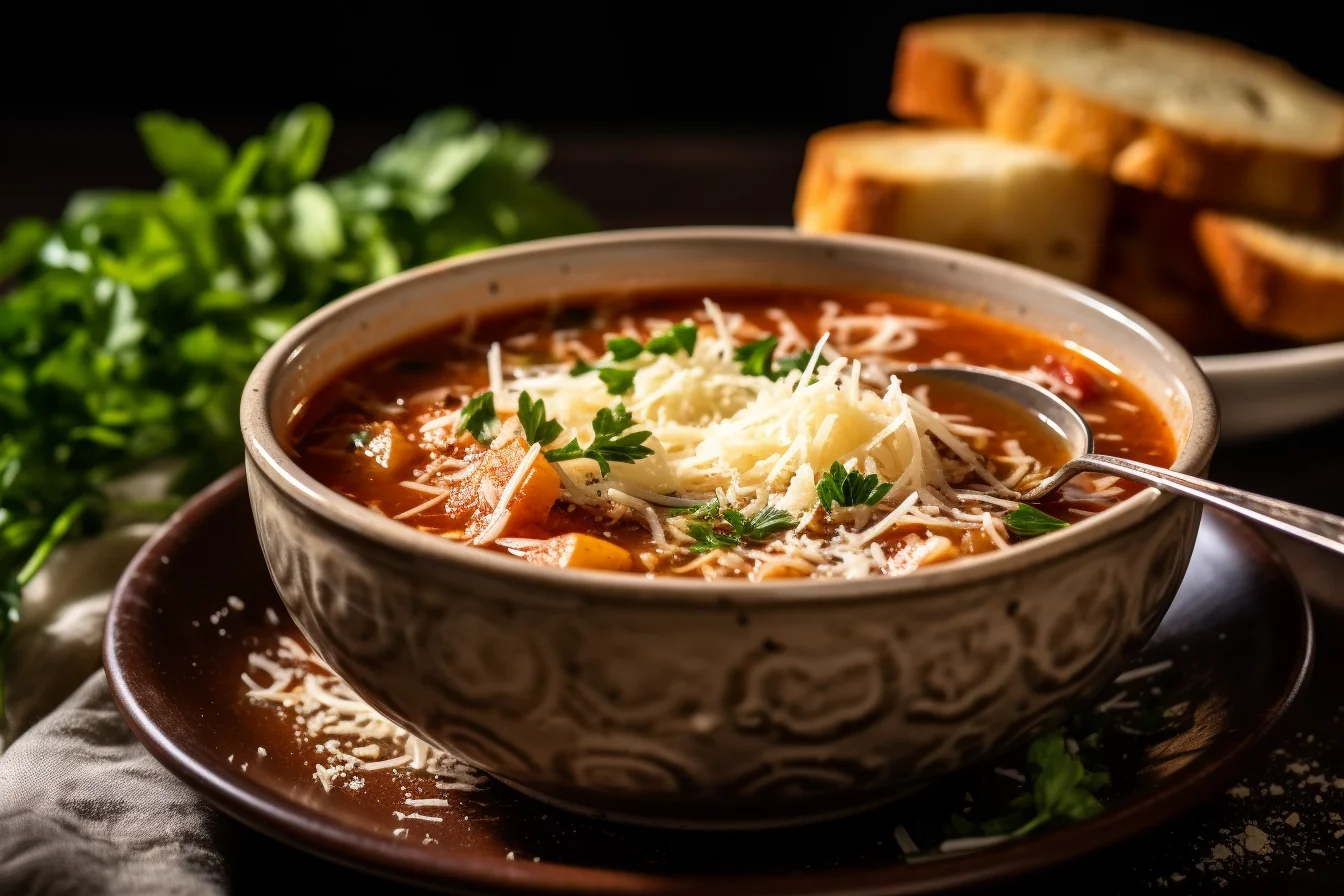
[1004,824]
[315,231]
[20,245]
[757,358]
[765,523]
[623,348]
[184,149]
[611,443]
[479,418]
[358,440]
[130,325]
[757,527]
[706,539]
[610,422]
[849,489]
[830,489]
[708,510]
[618,380]
[1061,787]
[537,429]
[1029,522]
[681,337]
[608,426]
[790,363]
[572,451]
[297,146]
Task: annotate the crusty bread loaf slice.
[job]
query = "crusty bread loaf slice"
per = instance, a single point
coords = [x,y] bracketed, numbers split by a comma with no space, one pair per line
[1189,117]
[963,189]
[1279,279]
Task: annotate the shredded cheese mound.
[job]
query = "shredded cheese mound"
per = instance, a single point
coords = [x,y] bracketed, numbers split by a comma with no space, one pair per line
[715,428]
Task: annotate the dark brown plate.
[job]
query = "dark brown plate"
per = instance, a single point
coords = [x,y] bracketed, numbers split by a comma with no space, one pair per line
[1239,634]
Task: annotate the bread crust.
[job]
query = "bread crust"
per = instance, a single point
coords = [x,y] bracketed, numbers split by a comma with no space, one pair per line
[1265,292]
[835,197]
[829,201]
[931,82]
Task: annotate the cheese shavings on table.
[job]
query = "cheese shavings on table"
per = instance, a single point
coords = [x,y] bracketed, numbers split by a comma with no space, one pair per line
[351,738]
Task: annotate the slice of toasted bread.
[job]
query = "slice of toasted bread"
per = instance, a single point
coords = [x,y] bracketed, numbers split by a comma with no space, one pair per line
[1279,279]
[1189,117]
[963,189]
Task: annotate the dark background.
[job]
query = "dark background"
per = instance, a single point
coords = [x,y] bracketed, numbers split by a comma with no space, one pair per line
[725,95]
[774,65]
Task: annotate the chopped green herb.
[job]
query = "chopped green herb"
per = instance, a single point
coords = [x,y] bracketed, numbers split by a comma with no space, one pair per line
[790,363]
[618,380]
[623,348]
[358,440]
[682,337]
[757,527]
[1028,522]
[849,489]
[537,429]
[761,525]
[1062,789]
[706,539]
[1005,824]
[757,358]
[479,418]
[709,510]
[609,445]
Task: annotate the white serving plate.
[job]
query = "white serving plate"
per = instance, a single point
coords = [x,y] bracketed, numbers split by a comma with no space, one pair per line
[1264,394]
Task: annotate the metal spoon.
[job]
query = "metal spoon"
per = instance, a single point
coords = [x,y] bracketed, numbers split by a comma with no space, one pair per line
[1323,529]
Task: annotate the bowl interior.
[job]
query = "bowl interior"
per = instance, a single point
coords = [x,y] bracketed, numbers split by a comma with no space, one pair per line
[394,311]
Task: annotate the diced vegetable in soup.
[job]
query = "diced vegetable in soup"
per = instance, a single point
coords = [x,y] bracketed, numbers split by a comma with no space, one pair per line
[760,434]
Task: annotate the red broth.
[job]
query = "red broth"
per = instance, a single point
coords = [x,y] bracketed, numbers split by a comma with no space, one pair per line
[389,434]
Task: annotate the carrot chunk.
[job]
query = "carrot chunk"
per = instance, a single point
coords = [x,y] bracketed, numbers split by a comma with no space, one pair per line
[528,505]
[579,551]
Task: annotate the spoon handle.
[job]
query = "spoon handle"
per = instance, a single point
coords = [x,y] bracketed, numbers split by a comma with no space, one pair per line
[1315,526]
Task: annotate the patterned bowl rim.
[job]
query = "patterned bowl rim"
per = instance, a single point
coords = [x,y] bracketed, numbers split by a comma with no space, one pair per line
[277,468]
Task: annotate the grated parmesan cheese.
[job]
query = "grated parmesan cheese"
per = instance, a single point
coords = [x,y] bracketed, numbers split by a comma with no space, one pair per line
[755,442]
[324,706]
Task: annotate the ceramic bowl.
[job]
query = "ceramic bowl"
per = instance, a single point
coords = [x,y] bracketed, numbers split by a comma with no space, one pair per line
[686,703]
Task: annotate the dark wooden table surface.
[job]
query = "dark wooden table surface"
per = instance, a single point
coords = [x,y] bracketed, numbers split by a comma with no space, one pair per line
[1295,794]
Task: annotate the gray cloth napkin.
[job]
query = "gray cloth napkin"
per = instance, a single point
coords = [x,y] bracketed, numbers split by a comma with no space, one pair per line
[85,809]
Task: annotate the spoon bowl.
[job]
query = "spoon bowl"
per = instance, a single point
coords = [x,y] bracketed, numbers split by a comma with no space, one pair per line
[1057,414]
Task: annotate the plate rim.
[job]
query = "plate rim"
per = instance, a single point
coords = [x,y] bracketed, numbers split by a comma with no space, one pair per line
[297,826]
[1294,359]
